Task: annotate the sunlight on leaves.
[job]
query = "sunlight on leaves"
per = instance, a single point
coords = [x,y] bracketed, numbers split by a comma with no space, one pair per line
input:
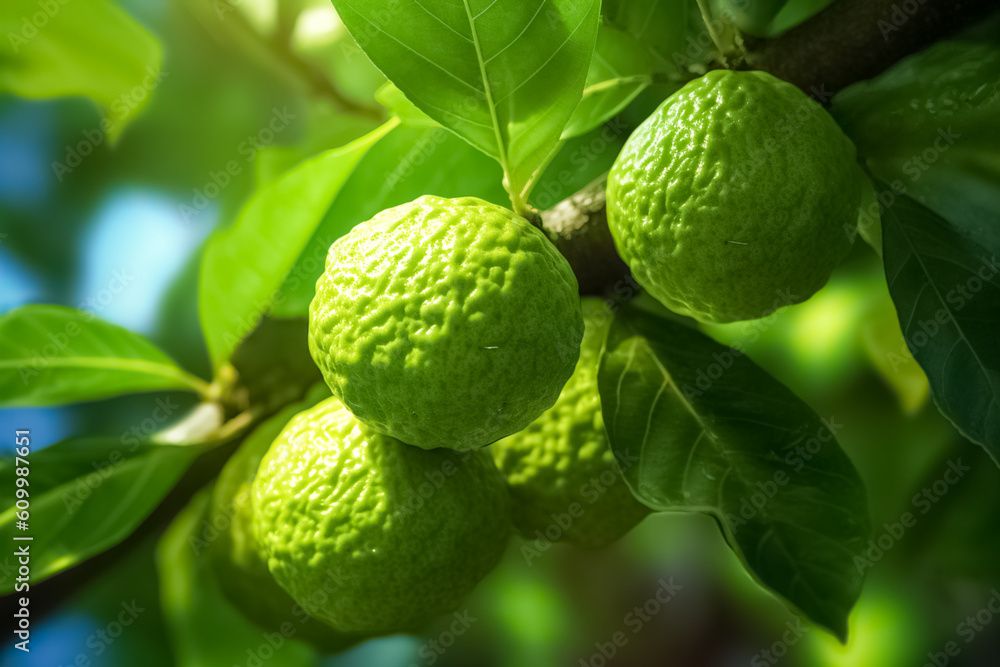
[51,355]
[88,494]
[81,47]
[244,265]
[504,75]
[619,71]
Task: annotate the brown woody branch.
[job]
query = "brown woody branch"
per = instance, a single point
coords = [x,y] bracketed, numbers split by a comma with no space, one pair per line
[854,40]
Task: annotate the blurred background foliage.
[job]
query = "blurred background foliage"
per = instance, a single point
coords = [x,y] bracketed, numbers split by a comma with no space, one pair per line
[121,223]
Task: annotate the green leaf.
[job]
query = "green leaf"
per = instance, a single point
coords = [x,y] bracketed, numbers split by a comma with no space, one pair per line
[929,125]
[326,131]
[795,12]
[206,630]
[393,99]
[79,47]
[663,27]
[753,16]
[947,297]
[50,355]
[886,348]
[405,164]
[704,429]
[245,264]
[619,71]
[273,362]
[580,161]
[86,495]
[504,75]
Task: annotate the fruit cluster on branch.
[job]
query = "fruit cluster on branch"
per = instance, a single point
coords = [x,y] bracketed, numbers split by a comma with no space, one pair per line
[849,41]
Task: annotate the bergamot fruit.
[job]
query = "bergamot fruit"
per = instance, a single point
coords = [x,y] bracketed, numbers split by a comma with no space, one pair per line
[239,564]
[735,197]
[398,533]
[565,483]
[446,322]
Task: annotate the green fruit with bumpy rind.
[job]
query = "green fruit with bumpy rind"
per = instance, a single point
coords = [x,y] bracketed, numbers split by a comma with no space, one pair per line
[737,196]
[563,460]
[402,534]
[240,566]
[446,322]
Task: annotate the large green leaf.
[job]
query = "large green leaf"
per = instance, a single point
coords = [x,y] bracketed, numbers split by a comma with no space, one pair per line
[928,127]
[504,75]
[79,47]
[619,71]
[947,295]
[85,495]
[207,631]
[51,355]
[930,124]
[703,428]
[407,163]
[245,264]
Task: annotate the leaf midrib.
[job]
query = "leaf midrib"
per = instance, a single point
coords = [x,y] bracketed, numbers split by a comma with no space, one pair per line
[944,304]
[501,148]
[152,368]
[7,517]
[668,378]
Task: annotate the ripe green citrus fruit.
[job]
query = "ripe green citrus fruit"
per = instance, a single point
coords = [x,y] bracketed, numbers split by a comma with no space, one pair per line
[560,469]
[239,564]
[446,322]
[737,196]
[397,533]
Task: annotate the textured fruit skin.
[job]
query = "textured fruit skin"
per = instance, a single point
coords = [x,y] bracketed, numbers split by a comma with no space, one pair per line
[737,196]
[239,564]
[399,533]
[446,322]
[552,463]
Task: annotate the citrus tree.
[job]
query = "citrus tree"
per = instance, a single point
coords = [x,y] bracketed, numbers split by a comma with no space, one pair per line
[510,289]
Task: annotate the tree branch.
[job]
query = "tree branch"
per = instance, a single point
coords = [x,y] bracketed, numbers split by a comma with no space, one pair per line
[578,226]
[849,41]
[854,40]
